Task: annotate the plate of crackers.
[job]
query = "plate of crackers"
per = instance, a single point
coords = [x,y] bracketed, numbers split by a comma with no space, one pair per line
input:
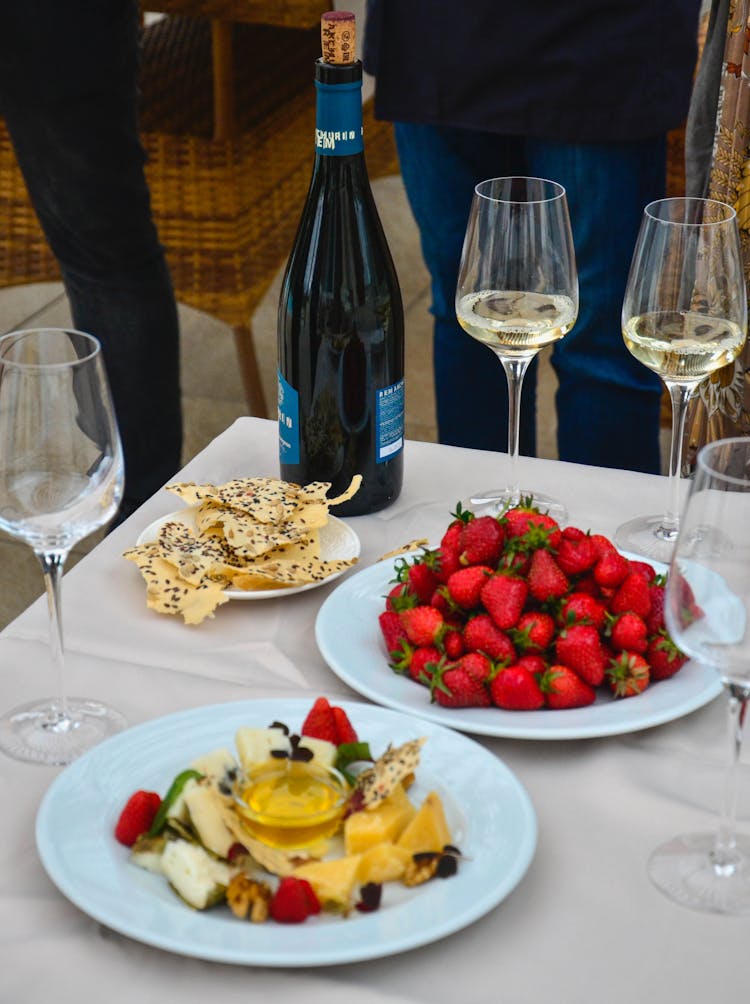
[248,539]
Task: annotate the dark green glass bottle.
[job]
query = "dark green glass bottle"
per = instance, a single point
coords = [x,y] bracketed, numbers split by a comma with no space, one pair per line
[341,324]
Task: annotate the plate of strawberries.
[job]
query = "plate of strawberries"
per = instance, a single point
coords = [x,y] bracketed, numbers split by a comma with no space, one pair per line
[515,626]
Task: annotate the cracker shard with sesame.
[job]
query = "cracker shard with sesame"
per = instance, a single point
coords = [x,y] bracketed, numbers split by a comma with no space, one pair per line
[379,781]
[167,593]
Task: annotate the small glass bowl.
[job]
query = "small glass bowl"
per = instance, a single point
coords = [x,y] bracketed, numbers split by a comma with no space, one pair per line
[291,804]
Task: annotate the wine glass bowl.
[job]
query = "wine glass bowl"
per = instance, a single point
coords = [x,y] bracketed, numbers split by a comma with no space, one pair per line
[61,478]
[707,612]
[684,316]
[517,292]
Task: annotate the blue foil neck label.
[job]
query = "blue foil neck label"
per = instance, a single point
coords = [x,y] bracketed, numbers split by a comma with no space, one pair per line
[338,122]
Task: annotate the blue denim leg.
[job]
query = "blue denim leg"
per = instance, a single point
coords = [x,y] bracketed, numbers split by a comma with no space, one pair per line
[68,77]
[440,168]
[607,403]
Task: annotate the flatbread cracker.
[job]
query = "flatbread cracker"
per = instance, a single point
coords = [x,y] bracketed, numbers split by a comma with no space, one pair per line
[196,556]
[167,593]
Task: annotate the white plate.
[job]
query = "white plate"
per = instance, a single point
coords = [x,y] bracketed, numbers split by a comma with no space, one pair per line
[337,542]
[350,641]
[491,817]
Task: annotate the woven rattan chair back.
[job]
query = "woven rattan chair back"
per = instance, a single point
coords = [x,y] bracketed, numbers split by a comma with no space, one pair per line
[227,119]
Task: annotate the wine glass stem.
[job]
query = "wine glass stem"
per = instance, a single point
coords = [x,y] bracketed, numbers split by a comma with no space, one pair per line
[515,370]
[680,395]
[53,563]
[724,853]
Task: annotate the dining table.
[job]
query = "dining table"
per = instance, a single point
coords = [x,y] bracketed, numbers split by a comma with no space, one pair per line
[583,923]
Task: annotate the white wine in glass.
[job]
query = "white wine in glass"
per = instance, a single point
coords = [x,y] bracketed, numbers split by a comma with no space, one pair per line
[707,612]
[517,292]
[61,478]
[684,316]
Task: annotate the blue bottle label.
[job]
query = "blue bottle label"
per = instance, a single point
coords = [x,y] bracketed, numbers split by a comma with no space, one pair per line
[389,421]
[338,119]
[288,422]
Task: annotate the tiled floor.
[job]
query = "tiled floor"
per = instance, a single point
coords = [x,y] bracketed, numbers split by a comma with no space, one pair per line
[212,393]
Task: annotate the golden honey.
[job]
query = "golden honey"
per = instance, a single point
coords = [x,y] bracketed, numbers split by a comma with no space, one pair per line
[292,804]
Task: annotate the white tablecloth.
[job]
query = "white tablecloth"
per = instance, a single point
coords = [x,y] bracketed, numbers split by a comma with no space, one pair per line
[584,924]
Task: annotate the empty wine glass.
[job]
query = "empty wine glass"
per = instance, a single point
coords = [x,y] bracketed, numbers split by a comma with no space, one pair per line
[517,292]
[61,478]
[684,315]
[707,611]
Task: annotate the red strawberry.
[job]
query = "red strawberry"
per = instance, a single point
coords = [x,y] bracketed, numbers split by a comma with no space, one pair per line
[320,723]
[392,629]
[481,634]
[579,647]
[503,597]
[644,568]
[534,631]
[664,657]
[293,901]
[423,625]
[481,541]
[547,581]
[440,600]
[344,729]
[516,689]
[465,585]
[632,594]
[423,663]
[400,597]
[457,688]
[422,578]
[629,632]
[686,608]
[602,544]
[137,816]
[576,554]
[611,568]
[477,665]
[563,688]
[518,521]
[588,584]
[453,643]
[655,619]
[449,552]
[583,608]
[628,674]
[533,662]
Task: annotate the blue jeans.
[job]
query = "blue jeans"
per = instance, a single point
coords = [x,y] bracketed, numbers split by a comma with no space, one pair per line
[68,93]
[607,403]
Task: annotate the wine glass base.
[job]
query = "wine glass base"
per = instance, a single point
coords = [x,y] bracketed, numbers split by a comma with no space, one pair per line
[39,732]
[685,870]
[495,501]
[647,536]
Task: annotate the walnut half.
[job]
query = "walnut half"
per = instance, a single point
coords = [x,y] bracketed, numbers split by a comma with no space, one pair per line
[246,895]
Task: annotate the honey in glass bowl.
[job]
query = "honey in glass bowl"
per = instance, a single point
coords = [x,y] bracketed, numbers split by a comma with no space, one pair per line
[291,804]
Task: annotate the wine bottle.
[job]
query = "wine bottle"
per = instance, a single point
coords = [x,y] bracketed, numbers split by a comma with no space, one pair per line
[341,322]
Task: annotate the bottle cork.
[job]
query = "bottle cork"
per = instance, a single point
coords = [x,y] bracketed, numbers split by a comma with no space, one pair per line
[338,37]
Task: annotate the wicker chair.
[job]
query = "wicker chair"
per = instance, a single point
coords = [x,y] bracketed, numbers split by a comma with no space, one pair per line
[227,119]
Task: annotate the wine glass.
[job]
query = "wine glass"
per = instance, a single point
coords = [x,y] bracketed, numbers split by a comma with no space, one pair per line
[517,292]
[707,611]
[61,478]
[684,315]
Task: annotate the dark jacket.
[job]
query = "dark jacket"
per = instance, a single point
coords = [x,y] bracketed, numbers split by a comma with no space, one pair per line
[573,70]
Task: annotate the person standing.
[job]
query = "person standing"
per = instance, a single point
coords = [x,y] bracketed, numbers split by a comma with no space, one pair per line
[68,93]
[582,94]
